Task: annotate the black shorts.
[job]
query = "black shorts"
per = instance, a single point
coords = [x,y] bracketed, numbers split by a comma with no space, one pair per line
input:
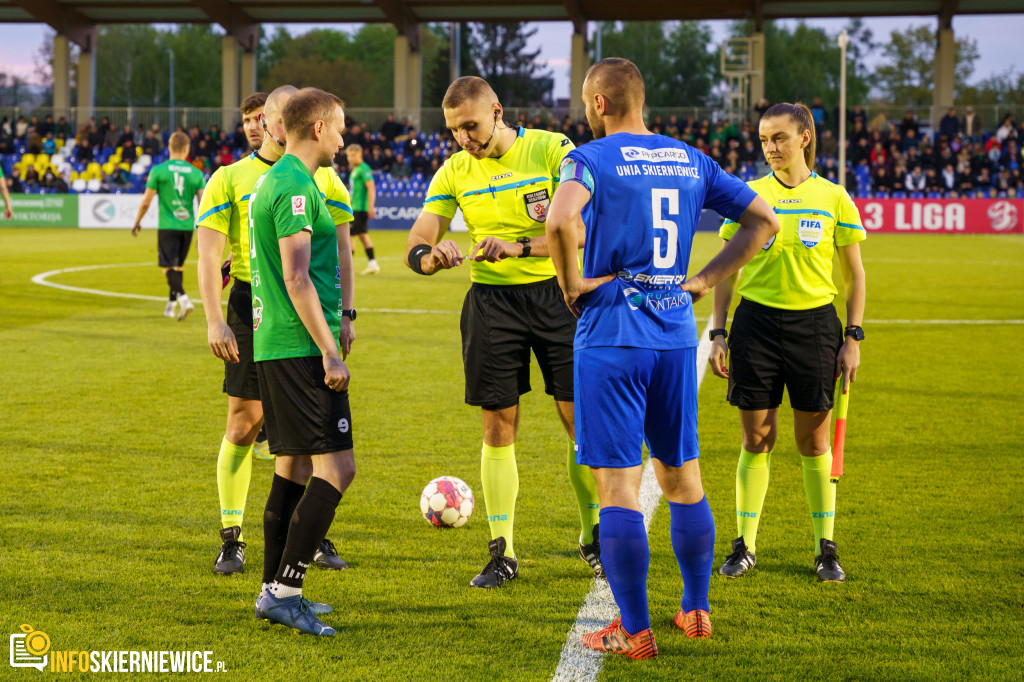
[771,349]
[302,415]
[360,223]
[172,247]
[500,325]
[240,380]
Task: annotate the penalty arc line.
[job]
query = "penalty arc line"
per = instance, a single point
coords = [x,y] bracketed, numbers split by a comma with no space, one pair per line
[578,663]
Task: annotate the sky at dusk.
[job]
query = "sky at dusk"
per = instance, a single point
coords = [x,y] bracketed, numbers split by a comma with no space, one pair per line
[998,38]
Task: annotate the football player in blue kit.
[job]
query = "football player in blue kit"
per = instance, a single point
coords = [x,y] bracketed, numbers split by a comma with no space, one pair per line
[639,196]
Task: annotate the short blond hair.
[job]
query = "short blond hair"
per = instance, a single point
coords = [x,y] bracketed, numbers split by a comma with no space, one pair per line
[465,89]
[178,142]
[305,108]
[353,148]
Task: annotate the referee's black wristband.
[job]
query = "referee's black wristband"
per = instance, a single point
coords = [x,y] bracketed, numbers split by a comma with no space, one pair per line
[415,254]
[717,332]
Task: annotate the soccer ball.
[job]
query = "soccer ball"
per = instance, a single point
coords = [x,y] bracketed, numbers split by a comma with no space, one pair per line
[447,502]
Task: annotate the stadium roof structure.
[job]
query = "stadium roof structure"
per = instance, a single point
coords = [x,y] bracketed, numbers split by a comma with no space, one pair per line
[239,16]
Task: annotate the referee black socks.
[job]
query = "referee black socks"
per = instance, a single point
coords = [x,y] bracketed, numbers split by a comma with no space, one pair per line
[369,254]
[308,526]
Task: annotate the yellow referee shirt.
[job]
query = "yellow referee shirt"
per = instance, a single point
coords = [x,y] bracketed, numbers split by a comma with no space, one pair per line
[225,205]
[793,271]
[505,197]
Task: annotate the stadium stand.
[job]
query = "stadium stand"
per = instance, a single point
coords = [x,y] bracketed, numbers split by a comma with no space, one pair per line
[885,157]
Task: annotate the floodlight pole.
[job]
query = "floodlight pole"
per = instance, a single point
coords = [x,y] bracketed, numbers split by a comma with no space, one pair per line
[170,53]
[844,40]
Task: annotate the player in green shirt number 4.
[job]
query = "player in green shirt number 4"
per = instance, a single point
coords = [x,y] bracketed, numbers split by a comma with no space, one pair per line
[177,183]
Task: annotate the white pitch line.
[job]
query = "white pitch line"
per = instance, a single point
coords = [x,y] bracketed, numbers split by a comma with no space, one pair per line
[578,663]
[43,280]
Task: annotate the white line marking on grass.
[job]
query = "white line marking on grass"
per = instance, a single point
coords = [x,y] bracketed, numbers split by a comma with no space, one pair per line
[43,279]
[578,663]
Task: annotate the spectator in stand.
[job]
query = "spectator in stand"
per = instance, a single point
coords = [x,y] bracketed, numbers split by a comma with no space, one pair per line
[581,135]
[54,183]
[6,143]
[1002,180]
[14,182]
[83,152]
[376,160]
[95,137]
[909,123]
[33,142]
[984,180]
[827,143]
[158,136]
[21,128]
[932,182]
[1006,129]
[858,115]
[749,153]
[949,180]
[151,145]
[878,155]
[238,140]
[391,128]
[47,127]
[111,136]
[419,163]
[400,168]
[950,125]
[915,180]
[63,129]
[817,114]
[1011,155]
[993,150]
[881,183]
[126,134]
[224,158]
[909,140]
[139,136]
[117,181]
[5,126]
[861,152]
[970,126]
[31,180]
[128,151]
[49,145]
[762,106]
[860,132]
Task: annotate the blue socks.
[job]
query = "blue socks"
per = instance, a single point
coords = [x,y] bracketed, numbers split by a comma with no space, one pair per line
[626,557]
[693,539]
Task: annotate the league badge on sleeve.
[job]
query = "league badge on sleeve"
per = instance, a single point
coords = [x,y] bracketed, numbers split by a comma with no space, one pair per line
[810,232]
[537,204]
[299,205]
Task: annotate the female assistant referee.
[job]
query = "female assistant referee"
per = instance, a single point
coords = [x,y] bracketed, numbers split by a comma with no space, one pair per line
[786,333]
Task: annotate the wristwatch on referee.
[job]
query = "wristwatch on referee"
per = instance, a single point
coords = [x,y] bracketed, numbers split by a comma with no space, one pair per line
[525,241]
[717,332]
[856,332]
[350,314]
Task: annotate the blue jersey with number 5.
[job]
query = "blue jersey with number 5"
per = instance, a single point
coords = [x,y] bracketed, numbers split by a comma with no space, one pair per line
[646,196]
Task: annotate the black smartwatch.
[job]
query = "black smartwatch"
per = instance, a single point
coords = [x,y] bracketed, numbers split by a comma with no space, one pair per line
[350,314]
[717,332]
[856,332]
[525,241]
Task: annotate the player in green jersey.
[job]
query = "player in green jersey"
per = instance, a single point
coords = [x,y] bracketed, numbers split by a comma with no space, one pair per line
[177,183]
[224,220]
[786,333]
[364,201]
[299,303]
[8,209]
[503,180]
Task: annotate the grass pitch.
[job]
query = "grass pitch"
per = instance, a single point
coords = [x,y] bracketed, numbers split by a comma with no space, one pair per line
[111,416]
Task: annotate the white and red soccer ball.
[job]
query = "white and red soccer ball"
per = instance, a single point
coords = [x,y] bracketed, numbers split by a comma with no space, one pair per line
[447,502]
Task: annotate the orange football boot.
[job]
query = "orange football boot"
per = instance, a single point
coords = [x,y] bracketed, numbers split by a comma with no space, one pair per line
[613,639]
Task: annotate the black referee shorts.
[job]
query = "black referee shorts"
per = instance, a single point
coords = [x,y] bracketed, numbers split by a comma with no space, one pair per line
[240,380]
[771,349]
[360,223]
[172,247]
[500,326]
[303,416]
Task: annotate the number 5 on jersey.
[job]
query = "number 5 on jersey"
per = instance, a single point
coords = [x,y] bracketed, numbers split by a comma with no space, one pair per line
[671,242]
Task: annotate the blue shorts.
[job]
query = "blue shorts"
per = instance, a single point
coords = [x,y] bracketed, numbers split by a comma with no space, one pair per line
[625,396]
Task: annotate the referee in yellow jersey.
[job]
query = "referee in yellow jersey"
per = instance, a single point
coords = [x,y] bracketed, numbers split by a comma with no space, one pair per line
[503,180]
[786,333]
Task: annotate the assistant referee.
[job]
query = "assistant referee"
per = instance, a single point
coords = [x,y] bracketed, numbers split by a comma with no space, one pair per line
[786,333]
[503,180]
